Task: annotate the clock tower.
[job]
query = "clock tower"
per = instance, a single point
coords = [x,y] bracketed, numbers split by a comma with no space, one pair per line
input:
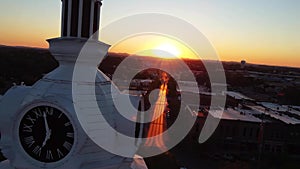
[39,125]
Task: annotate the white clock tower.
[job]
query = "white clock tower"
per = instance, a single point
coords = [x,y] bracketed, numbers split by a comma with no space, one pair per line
[38,124]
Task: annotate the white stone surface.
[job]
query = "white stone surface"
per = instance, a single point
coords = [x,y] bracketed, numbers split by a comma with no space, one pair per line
[56,89]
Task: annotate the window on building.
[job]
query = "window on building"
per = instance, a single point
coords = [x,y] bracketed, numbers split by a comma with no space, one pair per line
[250,132]
[278,149]
[267,148]
[245,131]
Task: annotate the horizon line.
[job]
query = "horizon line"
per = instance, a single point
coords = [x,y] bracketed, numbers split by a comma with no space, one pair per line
[128,54]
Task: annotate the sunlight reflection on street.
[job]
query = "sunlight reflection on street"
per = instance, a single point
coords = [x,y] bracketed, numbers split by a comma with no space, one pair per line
[158,125]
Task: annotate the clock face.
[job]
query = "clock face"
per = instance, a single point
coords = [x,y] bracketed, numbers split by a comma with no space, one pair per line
[46,134]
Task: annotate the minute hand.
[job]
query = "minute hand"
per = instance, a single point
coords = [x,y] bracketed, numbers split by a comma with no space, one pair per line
[46,123]
[48,131]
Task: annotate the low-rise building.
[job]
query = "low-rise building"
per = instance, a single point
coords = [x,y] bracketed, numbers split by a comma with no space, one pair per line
[246,129]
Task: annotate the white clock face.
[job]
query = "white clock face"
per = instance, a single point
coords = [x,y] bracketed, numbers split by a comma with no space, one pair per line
[46,134]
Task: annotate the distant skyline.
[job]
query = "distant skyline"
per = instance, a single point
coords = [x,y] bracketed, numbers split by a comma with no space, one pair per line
[258,31]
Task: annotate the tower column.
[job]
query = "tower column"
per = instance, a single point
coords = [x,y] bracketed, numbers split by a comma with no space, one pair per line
[69,18]
[91,18]
[63,17]
[96,22]
[80,18]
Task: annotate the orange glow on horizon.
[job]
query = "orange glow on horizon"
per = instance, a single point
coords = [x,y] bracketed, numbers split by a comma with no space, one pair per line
[227,51]
[145,45]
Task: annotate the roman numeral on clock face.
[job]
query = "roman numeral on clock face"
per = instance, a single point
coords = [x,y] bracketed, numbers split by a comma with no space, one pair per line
[49,155]
[67,145]
[29,141]
[37,150]
[38,113]
[49,111]
[27,128]
[59,153]
[67,124]
[70,135]
[31,119]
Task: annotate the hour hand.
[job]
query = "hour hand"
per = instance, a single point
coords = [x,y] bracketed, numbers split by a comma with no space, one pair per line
[48,134]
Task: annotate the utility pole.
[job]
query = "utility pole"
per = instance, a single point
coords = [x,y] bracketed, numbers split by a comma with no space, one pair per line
[261,140]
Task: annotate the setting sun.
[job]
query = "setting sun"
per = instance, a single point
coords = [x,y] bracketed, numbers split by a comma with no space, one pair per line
[167,50]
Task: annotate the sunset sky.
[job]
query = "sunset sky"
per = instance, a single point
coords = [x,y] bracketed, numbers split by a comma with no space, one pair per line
[258,31]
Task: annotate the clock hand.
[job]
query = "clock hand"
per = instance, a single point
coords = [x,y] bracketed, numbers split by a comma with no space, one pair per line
[48,131]
[46,123]
[48,134]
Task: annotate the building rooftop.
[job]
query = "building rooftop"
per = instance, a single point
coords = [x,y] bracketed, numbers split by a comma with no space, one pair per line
[276,114]
[231,114]
[237,95]
[273,106]
[281,108]
[294,107]
[192,87]
[248,115]
[228,114]
[282,117]
[292,110]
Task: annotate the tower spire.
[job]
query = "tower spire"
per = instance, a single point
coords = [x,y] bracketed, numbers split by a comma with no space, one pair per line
[80,18]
